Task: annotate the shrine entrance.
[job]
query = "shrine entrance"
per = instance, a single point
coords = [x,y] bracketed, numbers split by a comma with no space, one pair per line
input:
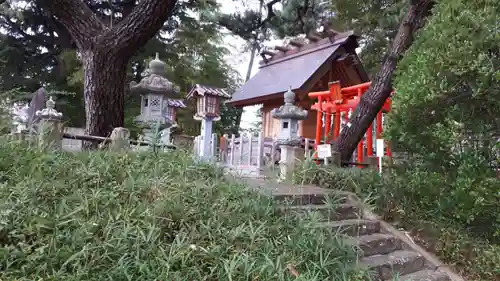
[334,108]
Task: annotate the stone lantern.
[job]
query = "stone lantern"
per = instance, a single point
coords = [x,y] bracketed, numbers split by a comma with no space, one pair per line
[158,101]
[208,101]
[50,128]
[288,139]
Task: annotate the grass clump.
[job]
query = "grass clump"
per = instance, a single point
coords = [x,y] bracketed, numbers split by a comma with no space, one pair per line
[454,215]
[145,216]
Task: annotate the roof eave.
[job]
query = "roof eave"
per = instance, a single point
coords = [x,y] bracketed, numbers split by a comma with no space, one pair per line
[256,100]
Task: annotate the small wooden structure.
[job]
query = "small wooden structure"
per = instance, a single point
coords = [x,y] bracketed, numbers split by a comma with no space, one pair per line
[208,101]
[303,66]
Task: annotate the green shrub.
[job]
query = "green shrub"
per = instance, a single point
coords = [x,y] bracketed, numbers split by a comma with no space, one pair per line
[141,216]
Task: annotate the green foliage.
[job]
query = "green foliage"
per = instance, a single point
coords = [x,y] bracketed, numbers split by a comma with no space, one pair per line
[449,81]
[457,216]
[142,216]
[377,23]
[190,43]
[230,120]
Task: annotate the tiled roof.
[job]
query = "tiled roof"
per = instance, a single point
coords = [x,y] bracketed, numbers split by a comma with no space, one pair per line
[201,90]
[291,67]
[176,103]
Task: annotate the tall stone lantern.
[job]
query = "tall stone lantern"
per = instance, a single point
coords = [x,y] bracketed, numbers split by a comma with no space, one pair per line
[208,101]
[289,140]
[158,101]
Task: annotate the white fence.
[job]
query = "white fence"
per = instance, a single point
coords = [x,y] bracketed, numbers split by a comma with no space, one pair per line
[248,154]
[247,150]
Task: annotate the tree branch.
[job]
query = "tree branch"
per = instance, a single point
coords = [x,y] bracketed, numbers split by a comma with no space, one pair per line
[82,24]
[374,98]
[270,13]
[141,25]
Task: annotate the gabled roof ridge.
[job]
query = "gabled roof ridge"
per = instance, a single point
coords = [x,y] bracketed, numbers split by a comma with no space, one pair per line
[302,43]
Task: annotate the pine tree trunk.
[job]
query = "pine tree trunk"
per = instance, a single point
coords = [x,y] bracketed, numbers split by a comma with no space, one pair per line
[105,52]
[105,75]
[373,100]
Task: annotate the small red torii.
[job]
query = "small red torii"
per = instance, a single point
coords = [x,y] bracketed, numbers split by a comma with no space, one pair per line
[337,100]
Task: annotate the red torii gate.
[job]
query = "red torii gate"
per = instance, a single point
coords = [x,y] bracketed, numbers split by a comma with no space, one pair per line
[338,100]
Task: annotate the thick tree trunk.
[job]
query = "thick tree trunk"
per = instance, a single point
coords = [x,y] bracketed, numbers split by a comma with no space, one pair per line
[373,100]
[105,52]
[105,75]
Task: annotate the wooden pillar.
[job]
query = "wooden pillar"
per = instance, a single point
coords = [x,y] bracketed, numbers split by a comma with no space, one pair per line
[360,152]
[360,144]
[336,124]
[319,123]
[328,125]
[378,125]
[369,141]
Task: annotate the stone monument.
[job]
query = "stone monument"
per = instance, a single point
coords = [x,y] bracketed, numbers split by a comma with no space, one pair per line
[289,141]
[50,127]
[158,103]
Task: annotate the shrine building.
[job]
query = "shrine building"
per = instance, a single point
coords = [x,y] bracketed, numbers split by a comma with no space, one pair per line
[304,65]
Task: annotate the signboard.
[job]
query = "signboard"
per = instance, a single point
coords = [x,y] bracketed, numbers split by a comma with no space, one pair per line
[380,148]
[380,153]
[324,151]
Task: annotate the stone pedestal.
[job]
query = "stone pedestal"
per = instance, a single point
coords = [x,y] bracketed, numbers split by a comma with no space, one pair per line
[335,160]
[120,139]
[205,152]
[50,134]
[50,128]
[290,157]
[372,162]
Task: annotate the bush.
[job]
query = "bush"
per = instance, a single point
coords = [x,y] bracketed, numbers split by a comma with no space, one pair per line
[141,216]
[455,215]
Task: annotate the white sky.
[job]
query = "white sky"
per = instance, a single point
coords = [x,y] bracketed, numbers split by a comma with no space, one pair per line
[239,60]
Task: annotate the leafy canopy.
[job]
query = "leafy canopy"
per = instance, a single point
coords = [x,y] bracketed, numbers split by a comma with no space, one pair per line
[449,82]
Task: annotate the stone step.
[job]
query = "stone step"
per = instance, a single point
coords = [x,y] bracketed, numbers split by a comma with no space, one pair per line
[334,212]
[377,244]
[309,199]
[425,275]
[395,264]
[354,227]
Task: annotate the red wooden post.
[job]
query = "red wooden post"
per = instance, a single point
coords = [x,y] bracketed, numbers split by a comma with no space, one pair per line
[369,141]
[379,125]
[328,125]
[336,124]
[388,151]
[360,152]
[319,123]
[360,144]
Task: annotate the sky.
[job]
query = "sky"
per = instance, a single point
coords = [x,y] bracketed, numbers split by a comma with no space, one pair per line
[239,59]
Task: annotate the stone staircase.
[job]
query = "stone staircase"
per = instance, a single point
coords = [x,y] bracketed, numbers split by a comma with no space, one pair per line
[384,251]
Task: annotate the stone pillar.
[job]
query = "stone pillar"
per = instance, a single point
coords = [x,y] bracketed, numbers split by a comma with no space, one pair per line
[291,155]
[120,139]
[372,162]
[335,160]
[289,140]
[206,139]
[50,128]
